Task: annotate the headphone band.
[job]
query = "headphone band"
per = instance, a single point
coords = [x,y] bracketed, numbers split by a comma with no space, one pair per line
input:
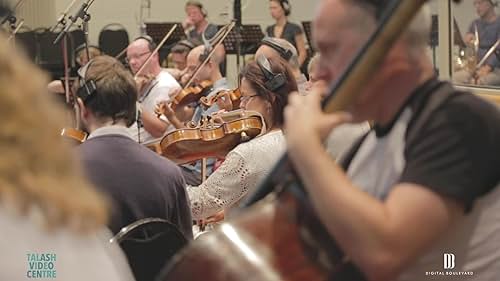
[149,39]
[87,88]
[199,5]
[284,53]
[273,81]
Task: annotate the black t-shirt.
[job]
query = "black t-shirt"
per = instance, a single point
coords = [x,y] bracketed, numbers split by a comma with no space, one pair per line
[140,183]
[453,149]
[289,32]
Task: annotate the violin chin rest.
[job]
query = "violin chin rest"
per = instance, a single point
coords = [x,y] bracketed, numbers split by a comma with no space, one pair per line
[244,136]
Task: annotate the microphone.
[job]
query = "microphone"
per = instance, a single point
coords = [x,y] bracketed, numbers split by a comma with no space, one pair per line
[81,13]
[9,14]
[62,18]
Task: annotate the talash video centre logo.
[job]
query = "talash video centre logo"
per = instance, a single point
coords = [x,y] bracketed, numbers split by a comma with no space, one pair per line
[41,266]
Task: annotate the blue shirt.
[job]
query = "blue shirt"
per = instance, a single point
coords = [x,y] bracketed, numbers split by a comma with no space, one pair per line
[489,33]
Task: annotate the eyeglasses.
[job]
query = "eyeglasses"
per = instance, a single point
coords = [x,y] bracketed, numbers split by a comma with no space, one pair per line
[128,59]
[244,99]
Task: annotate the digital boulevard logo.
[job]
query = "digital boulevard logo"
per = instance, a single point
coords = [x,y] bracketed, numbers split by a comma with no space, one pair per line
[41,266]
[449,265]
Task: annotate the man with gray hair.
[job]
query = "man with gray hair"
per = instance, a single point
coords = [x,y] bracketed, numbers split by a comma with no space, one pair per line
[423,183]
[280,48]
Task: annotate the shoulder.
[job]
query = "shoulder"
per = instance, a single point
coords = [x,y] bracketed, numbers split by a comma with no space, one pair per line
[465,112]
[165,79]
[294,28]
[454,150]
[211,30]
[270,30]
[269,144]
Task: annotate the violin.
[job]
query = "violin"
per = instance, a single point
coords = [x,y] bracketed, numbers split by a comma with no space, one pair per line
[74,134]
[191,94]
[212,139]
[233,103]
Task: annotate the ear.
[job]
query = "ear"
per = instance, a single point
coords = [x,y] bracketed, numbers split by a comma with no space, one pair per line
[84,112]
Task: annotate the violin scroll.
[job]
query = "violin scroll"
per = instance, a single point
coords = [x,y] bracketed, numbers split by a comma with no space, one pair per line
[226,99]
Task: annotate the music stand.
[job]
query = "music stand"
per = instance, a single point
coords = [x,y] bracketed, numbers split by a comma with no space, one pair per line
[158,30]
[307,30]
[250,36]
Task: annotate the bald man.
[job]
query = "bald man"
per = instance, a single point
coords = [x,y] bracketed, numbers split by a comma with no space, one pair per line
[155,85]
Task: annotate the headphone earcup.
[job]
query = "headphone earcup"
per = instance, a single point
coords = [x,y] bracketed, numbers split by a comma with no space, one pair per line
[286,7]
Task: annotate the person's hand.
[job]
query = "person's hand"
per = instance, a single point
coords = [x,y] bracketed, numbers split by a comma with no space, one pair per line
[216,218]
[163,108]
[142,81]
[305,120]
[469,38]
[187,23]
[484,70]
[216,117]
[224,102]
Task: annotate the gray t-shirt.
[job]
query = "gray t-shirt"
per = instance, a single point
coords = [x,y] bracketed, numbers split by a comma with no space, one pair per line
[454,153]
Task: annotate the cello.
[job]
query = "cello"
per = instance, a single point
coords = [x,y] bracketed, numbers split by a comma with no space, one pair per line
[279,236]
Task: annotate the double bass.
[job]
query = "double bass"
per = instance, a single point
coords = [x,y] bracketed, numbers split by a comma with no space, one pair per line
[277,235]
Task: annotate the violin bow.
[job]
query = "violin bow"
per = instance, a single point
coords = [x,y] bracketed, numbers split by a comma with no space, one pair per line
[219,37]
[396,16]
[155,51]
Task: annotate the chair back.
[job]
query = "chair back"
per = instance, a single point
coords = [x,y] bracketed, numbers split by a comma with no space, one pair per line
[149,244]
[113,38]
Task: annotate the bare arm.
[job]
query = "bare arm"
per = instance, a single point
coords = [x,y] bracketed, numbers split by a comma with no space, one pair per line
[380,237]
[301,47]
[153,124]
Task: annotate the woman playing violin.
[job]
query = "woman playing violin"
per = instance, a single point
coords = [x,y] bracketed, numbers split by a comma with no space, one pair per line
[265,86]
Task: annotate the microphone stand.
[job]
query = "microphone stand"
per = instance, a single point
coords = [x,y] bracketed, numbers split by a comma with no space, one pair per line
[10,17]
[62,18]
[237,19]
[81,13]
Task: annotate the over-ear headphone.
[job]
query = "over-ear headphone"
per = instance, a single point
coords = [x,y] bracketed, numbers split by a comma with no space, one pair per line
[199,5]
[286,7]
[284,53]
[87,88]
[273,81]
[186,43]
[149,39]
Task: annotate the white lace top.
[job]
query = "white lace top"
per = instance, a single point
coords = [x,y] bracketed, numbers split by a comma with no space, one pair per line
[242,170]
